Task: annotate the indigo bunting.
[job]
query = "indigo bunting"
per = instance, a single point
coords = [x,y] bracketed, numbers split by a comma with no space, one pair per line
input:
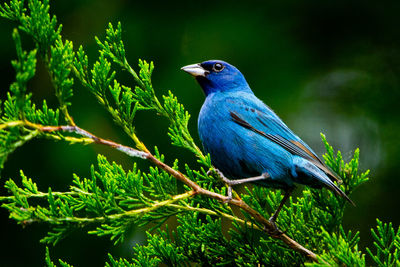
[247,141]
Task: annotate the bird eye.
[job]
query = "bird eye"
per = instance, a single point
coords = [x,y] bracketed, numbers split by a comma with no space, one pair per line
[218,67]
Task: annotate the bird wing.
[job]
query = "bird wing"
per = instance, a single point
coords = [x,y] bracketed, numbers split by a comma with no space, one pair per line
[262,120]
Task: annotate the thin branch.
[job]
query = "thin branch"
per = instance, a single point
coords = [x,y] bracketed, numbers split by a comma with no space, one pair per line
[11,124]
[40,195]
[196,189]
[68,117]
[214,213]
[128,67]
[100,219]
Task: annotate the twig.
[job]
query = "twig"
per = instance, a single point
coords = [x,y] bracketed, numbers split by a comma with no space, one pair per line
[196,189]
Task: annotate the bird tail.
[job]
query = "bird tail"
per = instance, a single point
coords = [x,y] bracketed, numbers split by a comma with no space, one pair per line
[305,168]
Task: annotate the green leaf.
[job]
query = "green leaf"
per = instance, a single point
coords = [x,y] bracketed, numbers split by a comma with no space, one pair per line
[387,245]
[25,66]
[13,10]
[60,64]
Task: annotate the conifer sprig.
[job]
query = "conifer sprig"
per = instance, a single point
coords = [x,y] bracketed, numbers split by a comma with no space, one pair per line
[113,199]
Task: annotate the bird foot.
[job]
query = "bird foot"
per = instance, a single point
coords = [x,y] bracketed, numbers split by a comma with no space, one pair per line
[226,181]
[229,198]
[223,178]
[275,231]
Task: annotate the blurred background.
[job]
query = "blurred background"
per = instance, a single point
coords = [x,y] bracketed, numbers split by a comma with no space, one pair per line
[323,67]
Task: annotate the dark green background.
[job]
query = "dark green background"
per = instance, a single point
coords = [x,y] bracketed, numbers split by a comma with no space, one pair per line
[323,67]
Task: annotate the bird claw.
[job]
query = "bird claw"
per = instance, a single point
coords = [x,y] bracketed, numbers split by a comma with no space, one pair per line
[220,175]
[229,197]
[275,232]
[225,180]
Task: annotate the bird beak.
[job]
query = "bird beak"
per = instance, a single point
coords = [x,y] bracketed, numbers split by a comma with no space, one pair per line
[195,70]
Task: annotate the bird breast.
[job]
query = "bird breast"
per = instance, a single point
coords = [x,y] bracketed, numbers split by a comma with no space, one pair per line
[235,150]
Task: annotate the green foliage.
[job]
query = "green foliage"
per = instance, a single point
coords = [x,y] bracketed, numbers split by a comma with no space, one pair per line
[144,95]
[113,46]
[25,67]
[35,20]
[142,260]
[62,56]
[18,105]
[112,200]
[13,11]
[387,244]
[121,101]
[49,263]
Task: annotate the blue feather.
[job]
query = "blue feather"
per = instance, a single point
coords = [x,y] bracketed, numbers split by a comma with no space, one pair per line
[246,138]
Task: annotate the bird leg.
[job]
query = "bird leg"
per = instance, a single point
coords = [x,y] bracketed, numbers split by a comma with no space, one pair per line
[241,181]
[230,183]
[273,218]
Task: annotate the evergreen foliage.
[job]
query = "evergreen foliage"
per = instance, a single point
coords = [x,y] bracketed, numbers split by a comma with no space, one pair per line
[112,199]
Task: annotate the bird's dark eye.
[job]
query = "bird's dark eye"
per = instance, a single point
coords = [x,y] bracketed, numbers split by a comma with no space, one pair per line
[218,67]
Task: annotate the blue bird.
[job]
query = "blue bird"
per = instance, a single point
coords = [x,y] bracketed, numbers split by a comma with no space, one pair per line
[248,142]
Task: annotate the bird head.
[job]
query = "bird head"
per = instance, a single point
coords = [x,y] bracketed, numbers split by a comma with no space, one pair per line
[217,76]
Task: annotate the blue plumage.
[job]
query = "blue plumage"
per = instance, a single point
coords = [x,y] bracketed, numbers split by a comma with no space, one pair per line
[245,138]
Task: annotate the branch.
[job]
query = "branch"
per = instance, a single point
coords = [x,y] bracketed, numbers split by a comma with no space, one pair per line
[100,219]
[196,189]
